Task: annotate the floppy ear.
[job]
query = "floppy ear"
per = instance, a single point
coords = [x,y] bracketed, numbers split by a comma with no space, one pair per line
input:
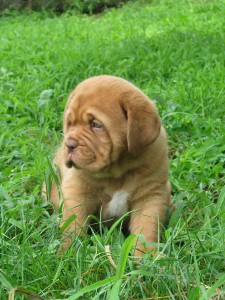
[143,122]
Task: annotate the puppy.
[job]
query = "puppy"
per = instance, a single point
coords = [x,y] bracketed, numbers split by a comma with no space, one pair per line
[113,159]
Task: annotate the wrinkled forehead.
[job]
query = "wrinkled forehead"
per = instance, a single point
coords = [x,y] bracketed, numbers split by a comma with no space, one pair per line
[94,100]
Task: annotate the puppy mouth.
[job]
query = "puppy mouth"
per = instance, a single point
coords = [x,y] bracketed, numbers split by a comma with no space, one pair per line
[70,161]
[83,158]
[78,159]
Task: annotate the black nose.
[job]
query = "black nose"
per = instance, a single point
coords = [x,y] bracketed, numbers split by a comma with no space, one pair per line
[71,145]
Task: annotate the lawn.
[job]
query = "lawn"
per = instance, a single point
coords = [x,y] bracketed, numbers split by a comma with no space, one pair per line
[175,52]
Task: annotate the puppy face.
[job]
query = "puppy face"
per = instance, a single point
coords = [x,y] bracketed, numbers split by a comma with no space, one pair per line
[107,118]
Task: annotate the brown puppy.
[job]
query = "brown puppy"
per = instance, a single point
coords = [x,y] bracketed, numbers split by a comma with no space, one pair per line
[113,158]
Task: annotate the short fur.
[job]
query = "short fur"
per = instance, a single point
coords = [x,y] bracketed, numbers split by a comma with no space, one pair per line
[114,148]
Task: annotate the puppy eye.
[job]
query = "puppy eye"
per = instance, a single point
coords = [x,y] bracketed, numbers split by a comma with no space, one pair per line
[96,125]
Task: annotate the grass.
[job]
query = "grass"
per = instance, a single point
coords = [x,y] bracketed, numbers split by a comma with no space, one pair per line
[173,51]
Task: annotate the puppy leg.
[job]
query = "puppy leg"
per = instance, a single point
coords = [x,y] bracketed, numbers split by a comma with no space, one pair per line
[147,219]
[76,210]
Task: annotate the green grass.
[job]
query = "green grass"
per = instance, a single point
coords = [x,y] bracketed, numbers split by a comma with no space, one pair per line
[173,51]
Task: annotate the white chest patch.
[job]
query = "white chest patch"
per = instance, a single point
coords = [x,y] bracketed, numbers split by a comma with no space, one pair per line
[118,206]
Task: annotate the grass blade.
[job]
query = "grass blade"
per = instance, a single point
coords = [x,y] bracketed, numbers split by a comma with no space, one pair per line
[127,245]
[5,281]
[221,200]
[114,295]
[92,287]
[112,228]
[67,222]
[21,290]
[214,288]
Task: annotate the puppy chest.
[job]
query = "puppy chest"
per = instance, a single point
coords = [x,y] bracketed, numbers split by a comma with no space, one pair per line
[118,205]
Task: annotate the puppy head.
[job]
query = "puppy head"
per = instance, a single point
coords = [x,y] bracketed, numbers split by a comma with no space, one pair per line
[107,118]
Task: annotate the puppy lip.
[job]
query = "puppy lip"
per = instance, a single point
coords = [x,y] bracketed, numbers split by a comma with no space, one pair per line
[70,163]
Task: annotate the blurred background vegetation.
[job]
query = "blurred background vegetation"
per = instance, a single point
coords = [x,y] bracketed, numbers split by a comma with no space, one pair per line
[59,6]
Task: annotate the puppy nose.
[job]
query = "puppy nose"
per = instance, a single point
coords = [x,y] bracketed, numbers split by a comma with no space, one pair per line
[71,145]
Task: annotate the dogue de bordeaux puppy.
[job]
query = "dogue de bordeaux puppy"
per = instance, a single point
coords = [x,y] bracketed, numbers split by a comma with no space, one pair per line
[113,160]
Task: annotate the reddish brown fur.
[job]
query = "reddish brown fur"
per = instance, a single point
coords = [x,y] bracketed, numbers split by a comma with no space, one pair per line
[128,154]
